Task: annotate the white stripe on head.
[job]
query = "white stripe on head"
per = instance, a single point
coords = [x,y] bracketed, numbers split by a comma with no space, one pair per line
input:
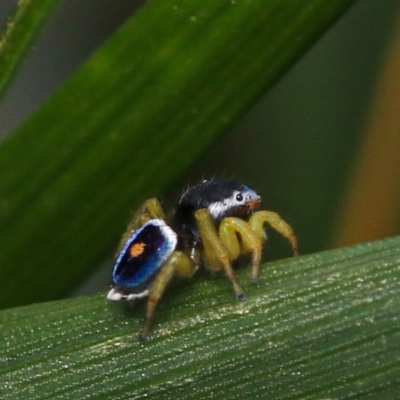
[219,208]
[238,199]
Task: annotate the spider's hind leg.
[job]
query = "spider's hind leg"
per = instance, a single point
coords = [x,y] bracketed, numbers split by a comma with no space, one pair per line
[178,264]
[150,209]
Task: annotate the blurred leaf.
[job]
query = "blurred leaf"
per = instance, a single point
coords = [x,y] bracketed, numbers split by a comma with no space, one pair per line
[375,174]
[21,29]
[130,122]
[320,326]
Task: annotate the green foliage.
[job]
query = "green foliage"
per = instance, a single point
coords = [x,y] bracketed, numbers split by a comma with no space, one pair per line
[130,122]
[126,126]
[19,33]
[320,326]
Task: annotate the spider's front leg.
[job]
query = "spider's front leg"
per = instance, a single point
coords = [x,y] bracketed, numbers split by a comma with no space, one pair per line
[224,246]
[257,222]
[229,230]
[217,255]
[178,264]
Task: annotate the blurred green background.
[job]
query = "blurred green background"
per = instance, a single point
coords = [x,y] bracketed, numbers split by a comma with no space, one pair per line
[298,146]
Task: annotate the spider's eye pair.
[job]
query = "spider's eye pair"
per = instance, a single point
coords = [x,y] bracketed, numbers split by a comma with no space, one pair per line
[239,197]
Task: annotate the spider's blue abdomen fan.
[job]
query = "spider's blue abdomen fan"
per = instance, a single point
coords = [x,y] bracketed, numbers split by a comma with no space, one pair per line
[144,253]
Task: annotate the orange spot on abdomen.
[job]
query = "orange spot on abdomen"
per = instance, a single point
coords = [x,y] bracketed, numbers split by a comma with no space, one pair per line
[137,249]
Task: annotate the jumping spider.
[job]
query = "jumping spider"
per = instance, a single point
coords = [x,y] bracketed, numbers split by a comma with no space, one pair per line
[214,223]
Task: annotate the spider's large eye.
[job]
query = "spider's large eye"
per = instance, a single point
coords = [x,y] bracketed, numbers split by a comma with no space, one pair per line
[239,197]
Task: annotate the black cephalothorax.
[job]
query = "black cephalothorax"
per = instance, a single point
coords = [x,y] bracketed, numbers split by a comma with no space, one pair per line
[221,198]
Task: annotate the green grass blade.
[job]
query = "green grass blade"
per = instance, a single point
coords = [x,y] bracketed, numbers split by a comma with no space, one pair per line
[21,29]
[319,326]
[130,122]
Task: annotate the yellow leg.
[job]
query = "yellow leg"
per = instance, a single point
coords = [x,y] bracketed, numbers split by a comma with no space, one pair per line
[228,231]
[178,263]
[259,218]
[216,254]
